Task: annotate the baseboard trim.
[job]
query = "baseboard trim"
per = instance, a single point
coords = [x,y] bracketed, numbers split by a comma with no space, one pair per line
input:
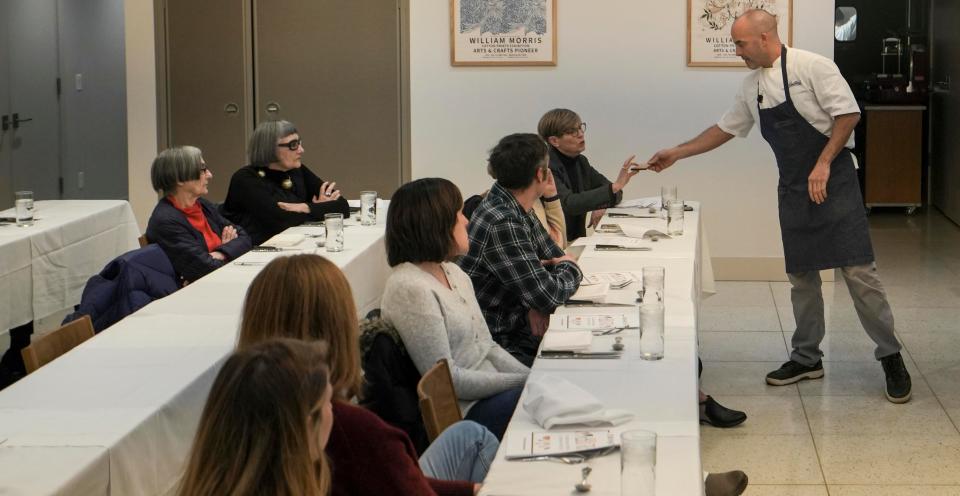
[755,269]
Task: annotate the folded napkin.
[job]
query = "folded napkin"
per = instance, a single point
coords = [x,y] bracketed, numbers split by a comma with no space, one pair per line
[285,240]
[567,341]
[553,401]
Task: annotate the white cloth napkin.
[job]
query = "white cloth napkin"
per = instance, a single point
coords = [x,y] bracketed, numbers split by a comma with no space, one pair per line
[567,341]
[285,240]
[554,401]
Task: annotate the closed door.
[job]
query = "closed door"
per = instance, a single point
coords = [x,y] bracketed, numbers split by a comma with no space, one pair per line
[945,122]
[209,95]
[333,69]
[34,136]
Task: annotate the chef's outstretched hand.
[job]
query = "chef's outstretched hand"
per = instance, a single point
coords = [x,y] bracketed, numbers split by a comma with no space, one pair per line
[663,159]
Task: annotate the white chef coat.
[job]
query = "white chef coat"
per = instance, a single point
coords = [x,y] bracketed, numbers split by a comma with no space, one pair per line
[817,88]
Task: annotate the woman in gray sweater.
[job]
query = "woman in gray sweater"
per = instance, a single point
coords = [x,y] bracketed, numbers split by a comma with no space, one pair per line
[431,302]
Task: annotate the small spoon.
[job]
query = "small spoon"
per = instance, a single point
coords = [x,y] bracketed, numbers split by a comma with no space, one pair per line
[583,486]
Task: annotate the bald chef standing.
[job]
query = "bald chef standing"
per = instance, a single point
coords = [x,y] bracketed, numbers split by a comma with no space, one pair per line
[807,113]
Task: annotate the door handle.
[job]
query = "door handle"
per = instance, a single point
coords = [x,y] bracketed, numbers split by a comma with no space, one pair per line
[5,122]
[17,120]
[273,107]
[231,108]
[942,86]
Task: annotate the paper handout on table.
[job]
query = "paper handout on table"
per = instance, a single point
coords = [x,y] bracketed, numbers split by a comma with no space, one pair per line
[575,322]
[610,240]
[567,341]
[285,240]
[642,232]
[650,201]
[615,280]
[539,443]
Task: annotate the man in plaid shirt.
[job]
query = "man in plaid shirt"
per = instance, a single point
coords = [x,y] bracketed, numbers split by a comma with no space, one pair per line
[519,274]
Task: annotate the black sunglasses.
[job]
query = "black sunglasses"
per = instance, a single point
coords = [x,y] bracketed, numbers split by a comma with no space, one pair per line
[291,145]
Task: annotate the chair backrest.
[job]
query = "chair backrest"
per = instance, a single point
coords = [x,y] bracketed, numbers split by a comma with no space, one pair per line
[46,348]
[143,241]
[438,399]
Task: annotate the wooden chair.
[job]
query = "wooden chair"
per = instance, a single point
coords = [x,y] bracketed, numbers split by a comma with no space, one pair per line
[50,346]
[438,400]
[143,241]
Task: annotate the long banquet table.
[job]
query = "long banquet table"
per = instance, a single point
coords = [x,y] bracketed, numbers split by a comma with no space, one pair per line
[45,266]
[117,414]
[662,394]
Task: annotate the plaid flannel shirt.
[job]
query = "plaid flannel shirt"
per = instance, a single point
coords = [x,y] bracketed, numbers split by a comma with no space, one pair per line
[507,245]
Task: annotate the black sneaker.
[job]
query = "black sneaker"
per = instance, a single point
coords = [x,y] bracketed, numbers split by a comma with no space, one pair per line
[898,379]
[791,372]
[717,415]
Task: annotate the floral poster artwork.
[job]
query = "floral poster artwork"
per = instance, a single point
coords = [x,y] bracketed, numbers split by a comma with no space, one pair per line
[503,32]
[708,28]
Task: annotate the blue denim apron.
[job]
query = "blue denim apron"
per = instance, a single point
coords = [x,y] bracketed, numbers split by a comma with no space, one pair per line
[815,237]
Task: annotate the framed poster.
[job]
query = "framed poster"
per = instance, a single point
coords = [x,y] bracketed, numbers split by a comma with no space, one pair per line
[503,32]
[708,29]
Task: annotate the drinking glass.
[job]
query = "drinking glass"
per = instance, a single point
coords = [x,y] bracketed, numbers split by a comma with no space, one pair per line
[334,227]
[368,208]
[651,329]
[638,463]
[675,218]
[23,202]
[667,195]
[653,283]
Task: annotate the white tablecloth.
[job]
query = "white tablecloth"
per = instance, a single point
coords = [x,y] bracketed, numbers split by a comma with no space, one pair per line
[137,389]
[662,394]
[44,267]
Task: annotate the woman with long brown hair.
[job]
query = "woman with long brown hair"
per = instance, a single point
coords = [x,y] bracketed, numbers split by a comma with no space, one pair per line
[308,297]
[265,425]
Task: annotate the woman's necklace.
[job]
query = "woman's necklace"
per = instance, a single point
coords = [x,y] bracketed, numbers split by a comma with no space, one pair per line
[285,184]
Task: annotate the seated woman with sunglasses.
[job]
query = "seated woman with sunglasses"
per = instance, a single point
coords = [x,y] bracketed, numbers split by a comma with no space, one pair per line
[189,229]
[276,190]
[307,297]
[265,425]
[431,302]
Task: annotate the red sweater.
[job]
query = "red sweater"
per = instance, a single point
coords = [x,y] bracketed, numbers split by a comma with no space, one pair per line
[369,457]
[198,220]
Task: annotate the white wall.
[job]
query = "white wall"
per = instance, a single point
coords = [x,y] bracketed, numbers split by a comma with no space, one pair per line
[141,105]
[622,66]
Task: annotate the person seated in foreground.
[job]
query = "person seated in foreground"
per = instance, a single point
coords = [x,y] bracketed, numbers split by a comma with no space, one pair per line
[277,190]
[431,303]
[581,188]
[307,297]
[265,424]
[192,233]
[520,275]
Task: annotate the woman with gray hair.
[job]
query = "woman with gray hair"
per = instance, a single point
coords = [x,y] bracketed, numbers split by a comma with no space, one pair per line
[276,190]
[191,231]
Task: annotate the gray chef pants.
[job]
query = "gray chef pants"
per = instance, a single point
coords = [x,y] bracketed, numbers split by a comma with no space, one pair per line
[868,298]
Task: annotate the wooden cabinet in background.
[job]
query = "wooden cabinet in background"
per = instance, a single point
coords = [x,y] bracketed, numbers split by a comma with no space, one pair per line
[894,156]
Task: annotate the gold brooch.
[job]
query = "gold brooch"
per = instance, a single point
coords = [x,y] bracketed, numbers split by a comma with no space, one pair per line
[261,173]
[287,183]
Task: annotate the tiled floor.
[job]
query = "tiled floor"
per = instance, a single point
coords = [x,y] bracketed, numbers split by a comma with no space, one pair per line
[839,435]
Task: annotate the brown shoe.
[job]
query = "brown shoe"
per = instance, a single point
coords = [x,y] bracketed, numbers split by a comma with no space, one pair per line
[732,483]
